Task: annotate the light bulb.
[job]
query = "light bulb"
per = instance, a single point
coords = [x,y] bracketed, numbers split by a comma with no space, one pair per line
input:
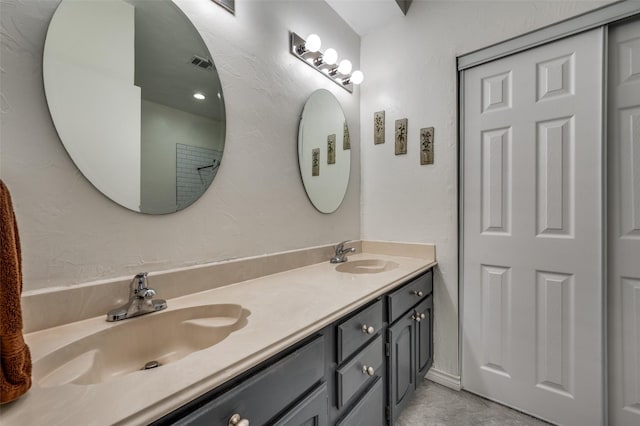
[313,43]
[344,67]
[357,77]
[199,96]
[330,56]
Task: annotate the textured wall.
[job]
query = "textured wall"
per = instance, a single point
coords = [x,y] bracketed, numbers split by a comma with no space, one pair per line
[73,234]
[410,69]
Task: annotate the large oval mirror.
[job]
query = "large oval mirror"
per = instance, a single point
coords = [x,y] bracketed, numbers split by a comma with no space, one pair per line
[324,151]
[136,100]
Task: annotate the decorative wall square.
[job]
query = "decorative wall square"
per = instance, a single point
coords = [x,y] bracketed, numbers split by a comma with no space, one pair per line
[346,138]
[315,162]
[378,127]
[331,149]
[427,137]
[401,136]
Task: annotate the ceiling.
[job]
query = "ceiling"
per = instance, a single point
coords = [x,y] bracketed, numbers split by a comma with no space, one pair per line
[163,68]
[363,16]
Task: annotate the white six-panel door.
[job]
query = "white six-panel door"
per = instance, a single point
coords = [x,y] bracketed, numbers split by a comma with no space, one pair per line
[624,225]
[532,325]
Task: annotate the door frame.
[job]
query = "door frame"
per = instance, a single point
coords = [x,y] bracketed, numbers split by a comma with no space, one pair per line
[602,17]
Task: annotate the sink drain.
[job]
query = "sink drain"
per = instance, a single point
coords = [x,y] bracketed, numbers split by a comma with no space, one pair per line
[150,365]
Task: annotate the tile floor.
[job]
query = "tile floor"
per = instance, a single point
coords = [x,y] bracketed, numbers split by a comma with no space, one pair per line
[436,405]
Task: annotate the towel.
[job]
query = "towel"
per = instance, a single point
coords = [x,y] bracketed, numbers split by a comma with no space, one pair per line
[15,358]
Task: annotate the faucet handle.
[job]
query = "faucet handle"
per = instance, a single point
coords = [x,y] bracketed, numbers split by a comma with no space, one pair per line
[139,282]
[146,293]
[340,245]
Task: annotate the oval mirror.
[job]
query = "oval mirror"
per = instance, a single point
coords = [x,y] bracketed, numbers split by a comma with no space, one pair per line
[136,100]
[324,151]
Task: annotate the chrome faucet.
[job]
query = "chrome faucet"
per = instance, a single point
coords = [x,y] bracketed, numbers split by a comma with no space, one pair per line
[341,253]
[141,301]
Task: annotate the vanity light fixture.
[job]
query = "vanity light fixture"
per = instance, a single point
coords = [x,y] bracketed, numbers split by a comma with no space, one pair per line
[199,96]
[308,51]
[345,67]
[330,56]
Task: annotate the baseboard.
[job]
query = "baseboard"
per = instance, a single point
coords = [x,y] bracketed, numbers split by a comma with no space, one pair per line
[444,379]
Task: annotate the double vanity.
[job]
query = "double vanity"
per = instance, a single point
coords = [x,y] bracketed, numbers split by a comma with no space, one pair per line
[314,342]
[324,335]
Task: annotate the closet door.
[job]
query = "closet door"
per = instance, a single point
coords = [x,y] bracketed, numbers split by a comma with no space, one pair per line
[532,231]
[624,225]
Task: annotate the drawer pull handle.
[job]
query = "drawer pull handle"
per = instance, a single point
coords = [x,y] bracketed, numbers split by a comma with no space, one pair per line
[368,329]
[418,293]
[368,370]
[236,420]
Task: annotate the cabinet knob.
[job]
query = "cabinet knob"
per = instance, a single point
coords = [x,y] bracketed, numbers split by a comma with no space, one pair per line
[368,329]
[236,420]
[418,293]
[368,370]
[422,316]
[417,317]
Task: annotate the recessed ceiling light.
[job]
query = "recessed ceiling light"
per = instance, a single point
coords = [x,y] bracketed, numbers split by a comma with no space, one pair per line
[199,96]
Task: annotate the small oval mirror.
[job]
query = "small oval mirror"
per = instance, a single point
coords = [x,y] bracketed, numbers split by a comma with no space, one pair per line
[136,100]
[324,151]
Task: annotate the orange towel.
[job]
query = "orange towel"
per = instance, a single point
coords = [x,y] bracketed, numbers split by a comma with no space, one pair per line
[15,358]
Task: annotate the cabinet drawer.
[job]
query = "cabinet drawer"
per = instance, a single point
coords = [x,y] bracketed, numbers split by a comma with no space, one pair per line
[369,411]
[408,295]
[358,330]
[354,375]
[261,397]
[311,411]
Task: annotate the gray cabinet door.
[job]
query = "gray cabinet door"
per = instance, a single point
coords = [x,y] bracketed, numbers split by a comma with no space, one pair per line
[311,411]
[402,372]
[424,342]
[369,410]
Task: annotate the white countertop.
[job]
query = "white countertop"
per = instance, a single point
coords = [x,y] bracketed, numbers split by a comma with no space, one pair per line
[285,308]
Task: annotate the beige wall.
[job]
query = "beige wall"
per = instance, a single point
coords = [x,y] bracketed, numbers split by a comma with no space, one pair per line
[410,68]
[72,234]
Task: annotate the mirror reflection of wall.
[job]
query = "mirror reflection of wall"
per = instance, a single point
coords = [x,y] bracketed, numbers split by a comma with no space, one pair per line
[324,151]
[120,87]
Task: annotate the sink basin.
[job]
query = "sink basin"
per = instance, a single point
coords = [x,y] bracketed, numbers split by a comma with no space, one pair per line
[155,339]
[366,266]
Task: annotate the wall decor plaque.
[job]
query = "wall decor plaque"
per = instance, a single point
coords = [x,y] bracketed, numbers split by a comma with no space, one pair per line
[331,149]
[401,136]
[378,127]
[346,139]
[426,145]
[315,162]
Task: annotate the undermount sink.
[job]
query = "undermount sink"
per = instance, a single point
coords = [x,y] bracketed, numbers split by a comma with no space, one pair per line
[366,266]
[146,341]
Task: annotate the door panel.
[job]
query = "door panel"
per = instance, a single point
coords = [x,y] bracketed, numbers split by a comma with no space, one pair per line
[424,331]
[532,231]
[624,225]
[401,363]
